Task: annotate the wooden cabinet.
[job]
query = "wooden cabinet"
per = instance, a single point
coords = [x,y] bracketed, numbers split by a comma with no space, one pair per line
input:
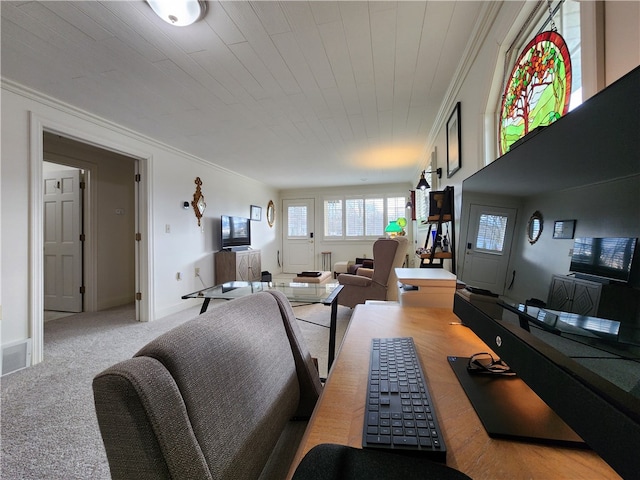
[574,295]
[245,266]
[613,301]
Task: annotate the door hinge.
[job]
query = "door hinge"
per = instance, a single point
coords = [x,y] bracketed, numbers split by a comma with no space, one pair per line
[82,289]
[138,237]
[138,295]
[82,237]
[83,185]
[138,177]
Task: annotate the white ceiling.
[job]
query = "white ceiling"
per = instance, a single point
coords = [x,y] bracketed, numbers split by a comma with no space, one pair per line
[294,94]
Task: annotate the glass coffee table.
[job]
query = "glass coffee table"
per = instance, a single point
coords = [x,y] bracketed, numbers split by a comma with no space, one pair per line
[325,293]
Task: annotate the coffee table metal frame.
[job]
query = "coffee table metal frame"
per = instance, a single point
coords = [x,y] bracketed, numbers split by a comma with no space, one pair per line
[325,293]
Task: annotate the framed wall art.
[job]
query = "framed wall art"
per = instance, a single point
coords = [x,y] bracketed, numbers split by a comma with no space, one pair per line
[256,213]
[564,228]
[454,157]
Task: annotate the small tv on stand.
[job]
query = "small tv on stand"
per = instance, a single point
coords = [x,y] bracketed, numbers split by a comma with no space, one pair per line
[604,260]
[235,233]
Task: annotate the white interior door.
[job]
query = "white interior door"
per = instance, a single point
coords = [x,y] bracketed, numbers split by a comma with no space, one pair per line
[299,242]
[488,246]
[62,245]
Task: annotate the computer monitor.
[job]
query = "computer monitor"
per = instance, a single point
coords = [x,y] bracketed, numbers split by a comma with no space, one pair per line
[586,369]
[565,370]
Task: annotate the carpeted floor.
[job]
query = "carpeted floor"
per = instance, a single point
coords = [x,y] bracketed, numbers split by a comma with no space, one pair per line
[49,430]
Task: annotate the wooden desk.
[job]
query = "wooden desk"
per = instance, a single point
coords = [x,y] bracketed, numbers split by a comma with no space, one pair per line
[339,414]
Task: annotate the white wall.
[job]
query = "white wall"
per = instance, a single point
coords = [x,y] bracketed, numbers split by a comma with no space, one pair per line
[621,38]
[171,182]
[188,246]
[476,94]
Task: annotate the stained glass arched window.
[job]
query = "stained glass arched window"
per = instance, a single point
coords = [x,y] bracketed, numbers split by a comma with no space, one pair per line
[538,90]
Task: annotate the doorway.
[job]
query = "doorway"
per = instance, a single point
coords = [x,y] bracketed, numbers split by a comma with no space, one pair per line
[142,266]
[488,247]
[109,191]
[298,235]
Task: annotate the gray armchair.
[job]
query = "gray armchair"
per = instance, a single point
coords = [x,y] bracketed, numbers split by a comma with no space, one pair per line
[224,396]
[379,283]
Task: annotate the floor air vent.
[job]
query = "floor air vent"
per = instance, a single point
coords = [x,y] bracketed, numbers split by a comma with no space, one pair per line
[16,356]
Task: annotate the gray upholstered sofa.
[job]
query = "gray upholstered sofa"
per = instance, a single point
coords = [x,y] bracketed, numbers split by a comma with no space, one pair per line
[225,395]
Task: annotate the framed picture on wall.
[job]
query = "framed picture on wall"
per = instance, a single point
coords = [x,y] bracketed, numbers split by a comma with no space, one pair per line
[453,142]
[256,213]
[564,228]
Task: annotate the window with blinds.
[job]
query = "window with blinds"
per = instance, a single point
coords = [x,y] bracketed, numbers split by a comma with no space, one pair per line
[422,205]
[396,208]
[361,217]
[297,222]
[354,215]
[333,218]
[492,230]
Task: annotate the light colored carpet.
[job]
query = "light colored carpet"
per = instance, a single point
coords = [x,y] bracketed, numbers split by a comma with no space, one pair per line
[49,429]
[317,337]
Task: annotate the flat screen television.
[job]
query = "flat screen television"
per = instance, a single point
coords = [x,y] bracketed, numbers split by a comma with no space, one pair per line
[589,375]
[610,258]
[236,232]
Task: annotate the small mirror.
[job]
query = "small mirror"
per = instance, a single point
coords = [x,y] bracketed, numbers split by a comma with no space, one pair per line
[534,227]
[271,213]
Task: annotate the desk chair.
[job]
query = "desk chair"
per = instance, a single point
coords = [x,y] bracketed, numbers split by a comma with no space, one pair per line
[339,462]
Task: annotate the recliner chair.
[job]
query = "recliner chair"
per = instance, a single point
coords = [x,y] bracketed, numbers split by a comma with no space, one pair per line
[379,283]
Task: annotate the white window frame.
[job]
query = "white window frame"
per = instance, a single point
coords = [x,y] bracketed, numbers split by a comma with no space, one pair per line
[363,237]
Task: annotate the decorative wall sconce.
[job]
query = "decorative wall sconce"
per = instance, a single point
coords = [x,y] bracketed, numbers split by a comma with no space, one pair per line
[423,184]
[198,203]
[411,204]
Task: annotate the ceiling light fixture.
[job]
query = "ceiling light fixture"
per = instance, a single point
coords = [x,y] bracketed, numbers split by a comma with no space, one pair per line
[179,13]
[423,184]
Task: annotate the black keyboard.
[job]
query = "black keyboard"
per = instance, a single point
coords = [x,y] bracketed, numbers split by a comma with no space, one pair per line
[399,413]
